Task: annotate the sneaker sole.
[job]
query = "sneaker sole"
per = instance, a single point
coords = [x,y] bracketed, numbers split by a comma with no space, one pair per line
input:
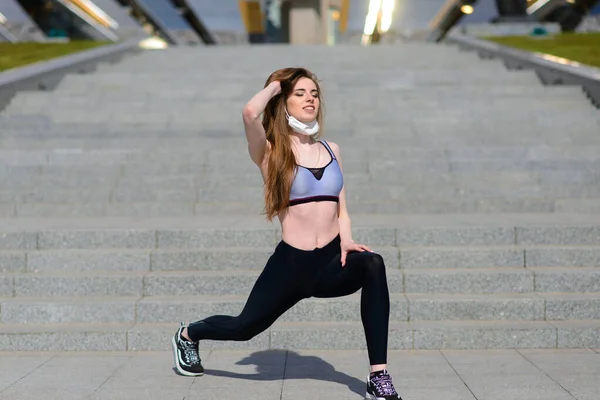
[177,366]
[369,396]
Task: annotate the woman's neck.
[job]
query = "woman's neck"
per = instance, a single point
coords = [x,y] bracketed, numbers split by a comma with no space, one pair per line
[300,140]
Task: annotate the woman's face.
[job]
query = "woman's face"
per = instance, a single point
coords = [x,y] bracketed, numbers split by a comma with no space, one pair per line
[303,103]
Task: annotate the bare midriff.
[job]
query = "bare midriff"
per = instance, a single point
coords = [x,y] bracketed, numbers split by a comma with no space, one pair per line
[310,225]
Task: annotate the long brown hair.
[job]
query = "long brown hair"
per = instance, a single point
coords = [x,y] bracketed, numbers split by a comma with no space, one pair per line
[282,162]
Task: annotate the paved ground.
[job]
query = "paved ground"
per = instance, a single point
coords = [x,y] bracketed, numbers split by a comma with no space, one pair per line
[418,375]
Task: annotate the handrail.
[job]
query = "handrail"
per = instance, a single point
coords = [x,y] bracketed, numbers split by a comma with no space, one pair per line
[550,69]
[152,18]
[5,33]
[84,16]
[188,12]
[47,74]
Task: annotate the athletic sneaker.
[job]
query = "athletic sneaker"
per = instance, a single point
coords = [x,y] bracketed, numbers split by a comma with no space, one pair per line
[187,357]
[380,387]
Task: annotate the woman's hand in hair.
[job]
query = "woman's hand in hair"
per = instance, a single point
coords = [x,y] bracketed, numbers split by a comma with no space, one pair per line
[349,246]
[276,86]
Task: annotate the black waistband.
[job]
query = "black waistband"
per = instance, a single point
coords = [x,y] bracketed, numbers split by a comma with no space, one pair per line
[333,245]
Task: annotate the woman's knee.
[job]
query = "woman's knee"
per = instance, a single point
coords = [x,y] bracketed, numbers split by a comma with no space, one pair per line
[247,331]
[374,264]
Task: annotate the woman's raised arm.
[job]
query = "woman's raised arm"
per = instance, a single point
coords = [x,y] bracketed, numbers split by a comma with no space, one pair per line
[255,133]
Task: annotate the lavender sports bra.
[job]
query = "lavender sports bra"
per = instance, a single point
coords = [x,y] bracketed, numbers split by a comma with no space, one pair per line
[317,184]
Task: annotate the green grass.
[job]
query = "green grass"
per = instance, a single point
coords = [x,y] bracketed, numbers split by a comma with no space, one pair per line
[13,55]
[580,47]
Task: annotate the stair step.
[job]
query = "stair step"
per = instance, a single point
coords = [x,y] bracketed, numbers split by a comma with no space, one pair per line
[253,232]
[420,256]
[240,282]
[42,110]
[26,101]
[308,336]
[410,307]
[112,166]
[499,256]
[517,115]
[494,280]
[482,205]
[237,282]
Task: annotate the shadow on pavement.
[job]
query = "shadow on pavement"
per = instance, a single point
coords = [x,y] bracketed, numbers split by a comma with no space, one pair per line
[268,367]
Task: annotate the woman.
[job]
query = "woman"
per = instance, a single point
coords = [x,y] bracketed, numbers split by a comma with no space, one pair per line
[316,256]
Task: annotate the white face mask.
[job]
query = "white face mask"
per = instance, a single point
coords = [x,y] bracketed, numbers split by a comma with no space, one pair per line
[308,129]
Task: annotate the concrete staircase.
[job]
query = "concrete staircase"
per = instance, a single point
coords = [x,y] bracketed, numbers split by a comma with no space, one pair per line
[129,203]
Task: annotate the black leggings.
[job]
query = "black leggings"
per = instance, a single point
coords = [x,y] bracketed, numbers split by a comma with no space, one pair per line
[291,275]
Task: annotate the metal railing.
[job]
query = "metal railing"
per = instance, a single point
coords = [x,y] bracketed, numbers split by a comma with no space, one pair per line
[551,70]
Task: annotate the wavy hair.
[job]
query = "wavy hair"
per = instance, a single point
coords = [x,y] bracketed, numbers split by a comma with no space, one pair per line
[281,161]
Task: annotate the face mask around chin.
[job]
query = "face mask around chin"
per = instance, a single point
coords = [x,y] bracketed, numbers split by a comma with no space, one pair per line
[308,129]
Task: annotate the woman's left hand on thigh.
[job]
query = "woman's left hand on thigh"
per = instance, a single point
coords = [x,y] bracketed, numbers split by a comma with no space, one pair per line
[349,246]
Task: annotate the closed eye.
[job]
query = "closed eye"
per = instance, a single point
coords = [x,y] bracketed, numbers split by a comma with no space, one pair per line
[300,92]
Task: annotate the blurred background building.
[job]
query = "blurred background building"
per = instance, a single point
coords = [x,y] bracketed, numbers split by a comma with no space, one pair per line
[192,22]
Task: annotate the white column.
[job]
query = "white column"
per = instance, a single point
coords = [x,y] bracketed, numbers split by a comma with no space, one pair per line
[306,22]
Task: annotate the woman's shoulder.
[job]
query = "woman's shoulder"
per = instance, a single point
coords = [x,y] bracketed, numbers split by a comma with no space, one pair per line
[333,146]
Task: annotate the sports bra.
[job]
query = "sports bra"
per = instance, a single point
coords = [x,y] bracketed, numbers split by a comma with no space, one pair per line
[317,184]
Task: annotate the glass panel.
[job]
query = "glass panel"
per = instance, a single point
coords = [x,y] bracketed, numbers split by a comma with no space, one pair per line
[56,20]
[127,24]
[220,15]
[18,22]
[168,15]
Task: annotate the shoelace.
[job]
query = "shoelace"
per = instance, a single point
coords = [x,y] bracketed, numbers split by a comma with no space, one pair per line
[191,354]
[383,384]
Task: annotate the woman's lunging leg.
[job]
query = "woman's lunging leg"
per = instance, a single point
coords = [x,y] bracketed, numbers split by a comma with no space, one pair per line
[272,295]
[364,270]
